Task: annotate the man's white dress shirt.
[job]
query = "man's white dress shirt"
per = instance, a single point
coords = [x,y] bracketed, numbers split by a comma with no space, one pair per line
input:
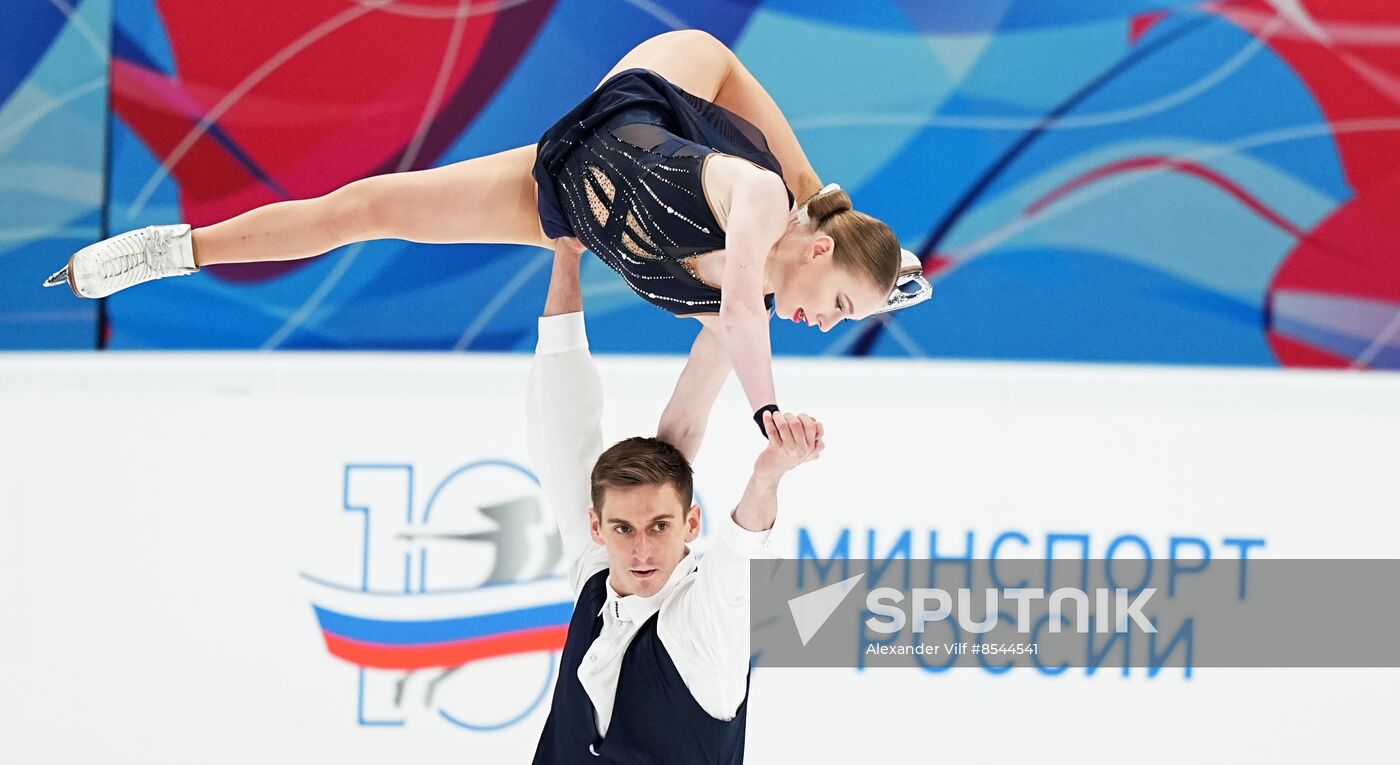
[704,609]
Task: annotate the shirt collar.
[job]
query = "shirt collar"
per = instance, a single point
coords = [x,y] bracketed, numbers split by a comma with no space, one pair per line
[636,608]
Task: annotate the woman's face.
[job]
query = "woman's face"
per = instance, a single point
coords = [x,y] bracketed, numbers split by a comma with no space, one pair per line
[816,291]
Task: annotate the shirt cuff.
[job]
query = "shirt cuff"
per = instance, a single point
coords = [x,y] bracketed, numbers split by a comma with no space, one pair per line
[562,333]
[750,544]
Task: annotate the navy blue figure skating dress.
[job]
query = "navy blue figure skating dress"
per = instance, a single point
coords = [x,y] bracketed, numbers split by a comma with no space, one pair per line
[622,172]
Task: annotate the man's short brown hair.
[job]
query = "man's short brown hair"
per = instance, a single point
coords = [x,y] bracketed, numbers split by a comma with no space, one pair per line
[639,461]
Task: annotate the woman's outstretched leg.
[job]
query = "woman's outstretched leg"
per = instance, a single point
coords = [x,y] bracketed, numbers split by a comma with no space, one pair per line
[488,199]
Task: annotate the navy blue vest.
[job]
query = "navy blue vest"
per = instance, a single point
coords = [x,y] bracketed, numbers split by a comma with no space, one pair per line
[655,720]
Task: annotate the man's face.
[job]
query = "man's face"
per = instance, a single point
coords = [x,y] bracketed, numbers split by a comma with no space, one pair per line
[645,529]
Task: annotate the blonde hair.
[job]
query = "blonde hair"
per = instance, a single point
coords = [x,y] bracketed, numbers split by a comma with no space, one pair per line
[864,244]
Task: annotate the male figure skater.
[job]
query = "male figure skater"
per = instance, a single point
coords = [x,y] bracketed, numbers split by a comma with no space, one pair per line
[655,665]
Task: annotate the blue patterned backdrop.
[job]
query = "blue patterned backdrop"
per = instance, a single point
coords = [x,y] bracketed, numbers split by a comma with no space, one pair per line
[1162,182]
[53,140]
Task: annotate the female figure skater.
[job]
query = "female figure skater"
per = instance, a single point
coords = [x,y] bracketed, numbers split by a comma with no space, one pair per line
[665,172]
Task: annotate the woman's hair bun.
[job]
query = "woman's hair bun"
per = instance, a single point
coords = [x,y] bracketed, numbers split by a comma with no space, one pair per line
[825,205]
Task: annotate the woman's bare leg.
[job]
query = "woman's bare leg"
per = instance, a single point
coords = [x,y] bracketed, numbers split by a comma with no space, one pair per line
[488,199]
[698,63]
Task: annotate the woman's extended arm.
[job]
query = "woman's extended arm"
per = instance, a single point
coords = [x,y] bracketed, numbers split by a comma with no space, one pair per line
[736,339]
[688,412]
[757,219]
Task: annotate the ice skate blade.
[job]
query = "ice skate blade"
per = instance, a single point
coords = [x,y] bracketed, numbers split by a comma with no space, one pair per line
[59,277]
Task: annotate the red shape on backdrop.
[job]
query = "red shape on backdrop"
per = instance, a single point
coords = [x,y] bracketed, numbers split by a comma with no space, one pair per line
[1350,254]
[457,653]
[1355,78]
[1295,354]
[1172,164]
[1341,71]
[1138,26]
[335,91]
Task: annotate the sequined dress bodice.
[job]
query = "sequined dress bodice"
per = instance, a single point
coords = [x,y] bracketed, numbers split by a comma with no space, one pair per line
[627,182]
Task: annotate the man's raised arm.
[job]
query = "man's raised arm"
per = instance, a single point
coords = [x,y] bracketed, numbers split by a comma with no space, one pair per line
[716,610]
[564,412]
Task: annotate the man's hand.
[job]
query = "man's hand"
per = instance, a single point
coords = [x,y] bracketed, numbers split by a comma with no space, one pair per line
[792,440]
[564,295]
[568,245]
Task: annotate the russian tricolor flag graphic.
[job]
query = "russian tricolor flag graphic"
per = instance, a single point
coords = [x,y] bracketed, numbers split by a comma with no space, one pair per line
[441,629]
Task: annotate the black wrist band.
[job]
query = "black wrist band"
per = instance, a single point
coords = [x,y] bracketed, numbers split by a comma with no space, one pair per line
[758,417]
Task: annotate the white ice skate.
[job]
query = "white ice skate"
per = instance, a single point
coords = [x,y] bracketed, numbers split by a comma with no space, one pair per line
[111,265]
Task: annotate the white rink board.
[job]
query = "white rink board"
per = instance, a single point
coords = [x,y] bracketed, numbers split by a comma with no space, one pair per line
[160,516]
